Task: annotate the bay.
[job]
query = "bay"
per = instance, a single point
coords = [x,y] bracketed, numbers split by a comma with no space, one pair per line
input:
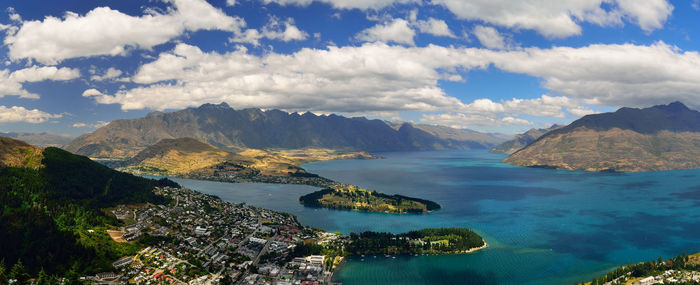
[543,226]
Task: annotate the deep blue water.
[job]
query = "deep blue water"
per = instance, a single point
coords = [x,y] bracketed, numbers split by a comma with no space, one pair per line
[543,226]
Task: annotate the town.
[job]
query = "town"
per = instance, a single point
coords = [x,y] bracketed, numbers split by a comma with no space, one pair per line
[201,239]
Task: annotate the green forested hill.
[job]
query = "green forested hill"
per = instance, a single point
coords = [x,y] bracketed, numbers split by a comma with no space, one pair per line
[47,213]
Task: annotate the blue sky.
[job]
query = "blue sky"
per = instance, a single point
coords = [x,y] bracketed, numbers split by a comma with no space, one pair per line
[68,67]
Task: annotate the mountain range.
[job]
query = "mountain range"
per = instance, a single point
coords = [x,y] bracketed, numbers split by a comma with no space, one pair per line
[661,137]
[522,140]
[236,130]
[39,139]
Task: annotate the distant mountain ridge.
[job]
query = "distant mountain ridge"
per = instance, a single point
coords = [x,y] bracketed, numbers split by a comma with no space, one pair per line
[522,140]
[39,139]
[235,130]
[661,137]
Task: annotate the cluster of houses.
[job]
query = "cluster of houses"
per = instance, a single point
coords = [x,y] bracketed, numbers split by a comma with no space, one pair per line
[670,277]
[204,240]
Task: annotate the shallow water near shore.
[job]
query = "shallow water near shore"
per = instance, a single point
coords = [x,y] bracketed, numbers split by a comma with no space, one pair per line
[543,226]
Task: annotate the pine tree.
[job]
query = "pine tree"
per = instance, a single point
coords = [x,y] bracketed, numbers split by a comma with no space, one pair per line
[43,278]
[19,273]
[3,273]
[72,277]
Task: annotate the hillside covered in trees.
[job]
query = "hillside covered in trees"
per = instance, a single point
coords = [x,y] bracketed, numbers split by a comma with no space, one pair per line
[350,197]
[425,241]
[50,211]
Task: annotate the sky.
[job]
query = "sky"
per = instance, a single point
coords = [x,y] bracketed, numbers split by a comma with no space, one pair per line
[71,66]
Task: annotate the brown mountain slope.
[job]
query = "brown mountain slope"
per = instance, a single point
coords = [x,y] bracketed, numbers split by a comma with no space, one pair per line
[662,137]
[185,156]
[16,153]
[521,140]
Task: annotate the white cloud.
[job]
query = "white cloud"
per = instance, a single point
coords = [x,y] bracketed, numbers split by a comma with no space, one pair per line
[489,37]
[388,78]
[377,77]
[647,14]
[274,30]
[558,19]
[580,111]
[230,3]
[462,120]
[36,74]
[96,125]
[434,27]
[613,75]
[515,121]
[346,4]
[16,114]
[11,82]
[551,18]
[695,4]
[104,31]
[396,30]
[111,73]
[487,113]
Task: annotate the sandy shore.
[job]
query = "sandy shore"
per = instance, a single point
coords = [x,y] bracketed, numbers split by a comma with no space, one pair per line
[478,248]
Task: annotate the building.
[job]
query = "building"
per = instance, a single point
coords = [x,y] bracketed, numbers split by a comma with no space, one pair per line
[200,231]
[258,240]
[316,259]
[124,261]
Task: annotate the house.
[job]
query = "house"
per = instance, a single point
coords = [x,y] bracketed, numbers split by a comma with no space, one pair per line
[648,280]
[258,240]
[106,276]
[201,231]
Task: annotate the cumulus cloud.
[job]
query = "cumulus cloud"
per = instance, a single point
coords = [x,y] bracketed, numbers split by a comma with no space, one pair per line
[551,18]
[544,106]
[16,114]
[487,113]
[274,30]
[613,75]
[462,120]
[396,30]
[557,19]
[36,73]
[11,82]
[346,4]
[515,121]
[489,37]
[104,31]
[434,27]
[111,73]
[649,15]
[95,125]
[376,77]
[389,78]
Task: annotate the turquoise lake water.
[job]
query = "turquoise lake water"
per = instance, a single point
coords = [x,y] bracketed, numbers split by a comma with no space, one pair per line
[543,226]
